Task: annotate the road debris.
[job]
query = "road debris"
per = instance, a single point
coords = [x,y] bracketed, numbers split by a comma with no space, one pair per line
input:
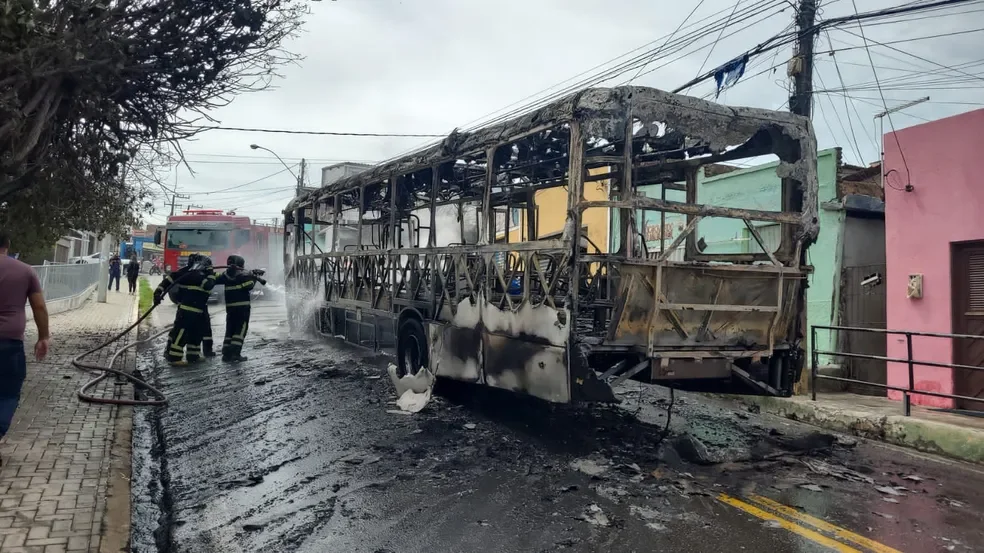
[837,471]
[653,518]
[592,466]
[413,391]
[470,426]
[888,490]
[693,450]
[594,515]
[811,487]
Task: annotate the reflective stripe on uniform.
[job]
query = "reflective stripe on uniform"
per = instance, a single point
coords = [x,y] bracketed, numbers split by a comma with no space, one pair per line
[238,304]
[247,284]
[236,343]
[191,287]
[190,308]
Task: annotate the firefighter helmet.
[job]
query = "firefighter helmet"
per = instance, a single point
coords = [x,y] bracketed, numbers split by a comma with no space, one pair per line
[194,259]
[236,261]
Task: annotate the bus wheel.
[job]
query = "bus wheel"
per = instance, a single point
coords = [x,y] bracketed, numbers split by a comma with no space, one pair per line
[411,348]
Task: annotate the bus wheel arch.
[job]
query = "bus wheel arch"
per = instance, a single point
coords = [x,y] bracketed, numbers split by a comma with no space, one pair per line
[412,348]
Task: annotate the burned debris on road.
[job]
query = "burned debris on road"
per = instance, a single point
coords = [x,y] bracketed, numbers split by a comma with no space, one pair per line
[320,458]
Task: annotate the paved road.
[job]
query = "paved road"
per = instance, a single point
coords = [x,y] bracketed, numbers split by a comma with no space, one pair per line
[299,450]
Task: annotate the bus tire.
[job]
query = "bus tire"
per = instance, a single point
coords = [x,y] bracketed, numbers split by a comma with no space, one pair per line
[411,348]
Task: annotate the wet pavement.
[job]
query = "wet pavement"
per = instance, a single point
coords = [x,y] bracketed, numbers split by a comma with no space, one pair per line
[299,449]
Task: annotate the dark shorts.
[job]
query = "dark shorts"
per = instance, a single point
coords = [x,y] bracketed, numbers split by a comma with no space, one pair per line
[13,371]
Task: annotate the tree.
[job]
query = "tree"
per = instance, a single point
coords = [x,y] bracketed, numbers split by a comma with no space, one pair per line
[95,94]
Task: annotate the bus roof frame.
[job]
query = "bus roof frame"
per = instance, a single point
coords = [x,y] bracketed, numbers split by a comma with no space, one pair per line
[728,133]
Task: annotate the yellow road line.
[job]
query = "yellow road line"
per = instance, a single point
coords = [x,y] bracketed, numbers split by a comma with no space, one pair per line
[788,525]
[822,525]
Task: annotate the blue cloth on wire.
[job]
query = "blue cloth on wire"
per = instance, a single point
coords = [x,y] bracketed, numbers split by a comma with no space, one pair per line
[729,73]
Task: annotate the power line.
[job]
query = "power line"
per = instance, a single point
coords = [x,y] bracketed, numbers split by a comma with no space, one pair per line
[287,158]
[675,31]
[887,45]
[772,43]
[624,67]
[284,170]
[588,71]
[315,133]
[711,51]
[849,137]
[885,104]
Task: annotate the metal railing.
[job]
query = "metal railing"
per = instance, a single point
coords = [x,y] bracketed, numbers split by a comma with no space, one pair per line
[59,281]
[907,391]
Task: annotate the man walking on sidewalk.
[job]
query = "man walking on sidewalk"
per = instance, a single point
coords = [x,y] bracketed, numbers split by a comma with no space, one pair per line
[18,285]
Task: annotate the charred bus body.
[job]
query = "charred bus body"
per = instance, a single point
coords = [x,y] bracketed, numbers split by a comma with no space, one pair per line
[443,256]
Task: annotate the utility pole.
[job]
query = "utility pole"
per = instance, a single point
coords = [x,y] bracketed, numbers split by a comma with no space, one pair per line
[175,197]
[800,69]
[300,177]
[801,66]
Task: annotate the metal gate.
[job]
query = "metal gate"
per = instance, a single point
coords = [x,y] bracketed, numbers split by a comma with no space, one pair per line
[863,306]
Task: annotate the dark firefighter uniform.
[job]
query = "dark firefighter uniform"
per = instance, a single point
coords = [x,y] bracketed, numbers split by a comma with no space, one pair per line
[238,284]
[194,282]
[207,349]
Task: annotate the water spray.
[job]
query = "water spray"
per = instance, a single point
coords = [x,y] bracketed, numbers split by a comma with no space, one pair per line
[108,370]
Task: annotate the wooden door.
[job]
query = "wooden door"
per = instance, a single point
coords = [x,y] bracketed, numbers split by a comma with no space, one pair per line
[968,318]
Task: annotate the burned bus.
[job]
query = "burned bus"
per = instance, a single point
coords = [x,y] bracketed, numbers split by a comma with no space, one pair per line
[513,256]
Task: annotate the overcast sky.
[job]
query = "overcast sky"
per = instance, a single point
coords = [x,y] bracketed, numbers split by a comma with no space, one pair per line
[428,66]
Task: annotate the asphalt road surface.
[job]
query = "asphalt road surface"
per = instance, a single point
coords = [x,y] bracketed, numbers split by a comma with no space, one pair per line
[300,450]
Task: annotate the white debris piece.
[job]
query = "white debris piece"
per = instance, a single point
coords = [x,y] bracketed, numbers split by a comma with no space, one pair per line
[592,466]
[595,516]
[413,391]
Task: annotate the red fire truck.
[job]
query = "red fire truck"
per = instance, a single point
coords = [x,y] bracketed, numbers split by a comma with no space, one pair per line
[216,234]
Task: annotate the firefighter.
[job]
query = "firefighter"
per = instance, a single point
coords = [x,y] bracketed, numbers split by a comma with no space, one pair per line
[238,284]
[207,349]
[194,284]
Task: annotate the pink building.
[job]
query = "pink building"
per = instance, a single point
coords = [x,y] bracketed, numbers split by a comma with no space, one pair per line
[934,234]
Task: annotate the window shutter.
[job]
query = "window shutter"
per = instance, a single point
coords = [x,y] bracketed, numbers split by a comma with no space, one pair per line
[975,281]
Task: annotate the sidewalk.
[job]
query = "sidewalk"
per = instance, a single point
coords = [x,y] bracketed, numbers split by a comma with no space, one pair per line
[951,435]
[63,459]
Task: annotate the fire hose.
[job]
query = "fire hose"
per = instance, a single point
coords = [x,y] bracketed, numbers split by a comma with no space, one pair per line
[108,370]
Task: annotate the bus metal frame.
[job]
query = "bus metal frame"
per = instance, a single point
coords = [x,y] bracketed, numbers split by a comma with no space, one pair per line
[547,316]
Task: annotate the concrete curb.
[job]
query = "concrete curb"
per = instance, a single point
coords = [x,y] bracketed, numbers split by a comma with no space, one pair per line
[956,442]
[116,527]
[62,305]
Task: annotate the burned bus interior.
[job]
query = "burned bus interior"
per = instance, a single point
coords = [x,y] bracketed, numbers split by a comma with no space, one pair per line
[571,248]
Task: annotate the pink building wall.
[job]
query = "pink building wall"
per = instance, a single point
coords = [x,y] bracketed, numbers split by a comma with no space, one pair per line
[946,205]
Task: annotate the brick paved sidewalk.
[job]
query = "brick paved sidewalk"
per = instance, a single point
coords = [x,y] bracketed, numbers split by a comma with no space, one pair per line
[56,457]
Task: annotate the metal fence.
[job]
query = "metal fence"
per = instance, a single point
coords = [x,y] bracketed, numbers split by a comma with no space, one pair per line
[59,281]
[909,389]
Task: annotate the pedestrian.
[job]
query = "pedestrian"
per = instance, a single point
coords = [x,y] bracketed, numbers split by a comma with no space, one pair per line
[18,285]
[115,266]
[238,283]
[195,282]
[132,272]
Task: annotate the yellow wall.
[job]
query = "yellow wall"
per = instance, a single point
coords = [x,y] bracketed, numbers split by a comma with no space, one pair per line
[552,208]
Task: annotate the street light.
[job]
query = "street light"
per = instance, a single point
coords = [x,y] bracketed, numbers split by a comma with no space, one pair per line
[258,147]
